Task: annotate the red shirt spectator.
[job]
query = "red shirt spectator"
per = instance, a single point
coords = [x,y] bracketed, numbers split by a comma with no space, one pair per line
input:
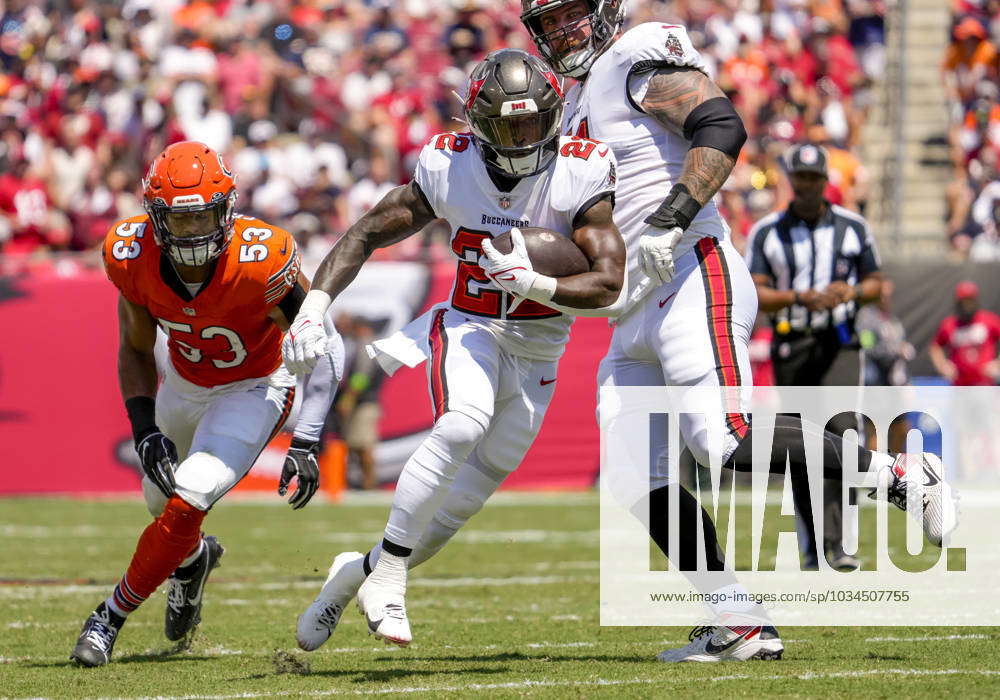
[24,199]
[970,340]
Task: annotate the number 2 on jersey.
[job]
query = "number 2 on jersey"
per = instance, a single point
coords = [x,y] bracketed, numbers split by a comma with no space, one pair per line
[473,291]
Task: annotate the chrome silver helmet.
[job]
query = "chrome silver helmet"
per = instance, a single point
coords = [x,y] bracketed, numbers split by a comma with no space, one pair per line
[514,107]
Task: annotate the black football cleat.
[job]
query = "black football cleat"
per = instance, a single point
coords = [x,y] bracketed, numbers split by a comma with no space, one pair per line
[97,638]
[184,595]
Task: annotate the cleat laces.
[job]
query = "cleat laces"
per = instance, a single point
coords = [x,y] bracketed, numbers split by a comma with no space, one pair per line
[175,595]
[699,632]
[101,633]
[395,610]
[330,615]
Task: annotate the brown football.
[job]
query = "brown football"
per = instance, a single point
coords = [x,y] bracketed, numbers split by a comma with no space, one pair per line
[551,253]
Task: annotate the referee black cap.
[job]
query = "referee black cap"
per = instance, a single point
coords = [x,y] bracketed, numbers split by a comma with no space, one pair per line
[806,158]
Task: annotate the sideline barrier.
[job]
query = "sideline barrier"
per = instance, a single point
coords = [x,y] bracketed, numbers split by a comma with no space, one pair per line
[63,428]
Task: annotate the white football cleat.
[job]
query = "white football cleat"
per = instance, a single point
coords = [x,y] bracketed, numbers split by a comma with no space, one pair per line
[320,619]
[382,600]
[718,643]
[918,478]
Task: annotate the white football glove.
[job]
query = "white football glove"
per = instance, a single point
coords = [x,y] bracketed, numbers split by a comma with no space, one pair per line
[511,272]
[656,254]
[304,343]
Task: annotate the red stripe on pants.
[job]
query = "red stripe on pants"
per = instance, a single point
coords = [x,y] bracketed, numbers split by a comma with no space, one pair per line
[285,411]
[719,305]
[439,345]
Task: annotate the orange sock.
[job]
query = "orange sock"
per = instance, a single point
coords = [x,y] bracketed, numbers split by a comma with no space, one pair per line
[163,545]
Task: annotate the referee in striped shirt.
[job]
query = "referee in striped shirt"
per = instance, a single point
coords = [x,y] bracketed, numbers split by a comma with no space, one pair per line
[814,264]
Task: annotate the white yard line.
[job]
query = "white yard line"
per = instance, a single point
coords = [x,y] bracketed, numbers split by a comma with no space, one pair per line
[594,683]
[35,591]
[381,649]
[547,537]
[943,638]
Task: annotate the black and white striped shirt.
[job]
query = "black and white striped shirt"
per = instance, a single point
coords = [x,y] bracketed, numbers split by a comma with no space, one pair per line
[801,257]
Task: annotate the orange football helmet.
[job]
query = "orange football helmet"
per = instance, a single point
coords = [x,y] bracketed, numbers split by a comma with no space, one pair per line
[187,178]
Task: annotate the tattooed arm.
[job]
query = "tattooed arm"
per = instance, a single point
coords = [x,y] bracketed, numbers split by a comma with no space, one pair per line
[686,102]
[673,94]
[398,215]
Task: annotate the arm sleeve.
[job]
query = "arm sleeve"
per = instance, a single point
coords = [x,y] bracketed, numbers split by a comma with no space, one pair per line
[595,178]
[425,174]
[655,45]
[284,270]
[868,259]
[320,388]
[121,268]
[756,259]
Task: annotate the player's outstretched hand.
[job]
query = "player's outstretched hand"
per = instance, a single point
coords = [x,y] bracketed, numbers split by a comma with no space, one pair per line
[304,343]
[511,272]
[656,254]
[158,457]
[300,462]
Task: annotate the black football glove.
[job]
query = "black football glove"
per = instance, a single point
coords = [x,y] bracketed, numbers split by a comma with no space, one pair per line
[158,457]
[300,462]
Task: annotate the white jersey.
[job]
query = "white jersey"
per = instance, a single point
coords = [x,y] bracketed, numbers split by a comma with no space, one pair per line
[650,158]
[453,177]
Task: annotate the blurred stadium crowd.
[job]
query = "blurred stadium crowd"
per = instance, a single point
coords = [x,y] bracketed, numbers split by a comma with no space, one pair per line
[971,72]
[322,106]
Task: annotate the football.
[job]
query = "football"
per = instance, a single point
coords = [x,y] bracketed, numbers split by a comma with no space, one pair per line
[550,253]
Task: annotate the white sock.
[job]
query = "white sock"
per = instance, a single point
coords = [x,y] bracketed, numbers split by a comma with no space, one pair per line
[733,598]
[110,602]
[428,475]
[390,570]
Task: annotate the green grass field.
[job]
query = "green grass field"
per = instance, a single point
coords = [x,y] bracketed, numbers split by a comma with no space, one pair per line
[509,608]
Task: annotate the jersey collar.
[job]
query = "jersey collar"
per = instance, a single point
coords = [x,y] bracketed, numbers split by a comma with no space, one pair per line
[173,280]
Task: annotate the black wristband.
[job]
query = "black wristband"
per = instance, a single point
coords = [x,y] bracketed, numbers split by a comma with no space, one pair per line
[142,414]
[678,209]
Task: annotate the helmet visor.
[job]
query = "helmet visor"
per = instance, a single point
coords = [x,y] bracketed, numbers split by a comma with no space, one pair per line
[193,234]
[520,131]
[193,223]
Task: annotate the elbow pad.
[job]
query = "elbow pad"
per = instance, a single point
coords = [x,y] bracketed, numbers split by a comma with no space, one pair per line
[715,124]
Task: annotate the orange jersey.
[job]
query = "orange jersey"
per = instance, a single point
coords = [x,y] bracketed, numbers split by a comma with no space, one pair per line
[222,334]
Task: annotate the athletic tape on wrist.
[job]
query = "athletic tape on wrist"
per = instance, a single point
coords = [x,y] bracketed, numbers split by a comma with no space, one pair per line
[542,289]
[316,303]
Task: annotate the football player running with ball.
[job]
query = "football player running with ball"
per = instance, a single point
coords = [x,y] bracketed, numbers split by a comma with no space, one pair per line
[222,287]
[691,302]
[492,349]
